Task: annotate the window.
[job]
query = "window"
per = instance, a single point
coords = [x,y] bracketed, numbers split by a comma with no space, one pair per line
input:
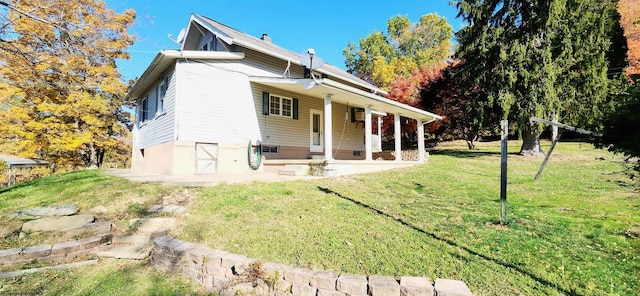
[269,149]
[280,106]
[210,45]
[161,91]
[144,111]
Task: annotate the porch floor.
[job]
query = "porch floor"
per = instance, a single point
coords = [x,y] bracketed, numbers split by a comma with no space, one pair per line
[270,173]
[300,167]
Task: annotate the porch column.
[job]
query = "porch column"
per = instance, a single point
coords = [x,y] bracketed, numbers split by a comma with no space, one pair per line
[379,135]
[421,157]
[328,129]
[397,137]
[367,133]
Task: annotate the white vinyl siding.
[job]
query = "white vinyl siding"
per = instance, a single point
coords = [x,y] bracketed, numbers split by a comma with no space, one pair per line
[216,105]
[282,131]
[158,127]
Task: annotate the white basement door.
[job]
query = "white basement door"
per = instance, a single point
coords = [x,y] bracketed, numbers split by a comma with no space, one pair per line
[206,158]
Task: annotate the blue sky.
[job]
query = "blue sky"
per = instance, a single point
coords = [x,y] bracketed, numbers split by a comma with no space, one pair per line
[325,25]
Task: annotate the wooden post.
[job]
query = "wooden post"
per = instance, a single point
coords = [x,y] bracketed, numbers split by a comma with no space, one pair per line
[546,157]
[504,124]
[555,139]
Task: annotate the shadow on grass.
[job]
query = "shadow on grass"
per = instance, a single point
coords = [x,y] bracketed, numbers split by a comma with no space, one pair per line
[452,243]
[463,153]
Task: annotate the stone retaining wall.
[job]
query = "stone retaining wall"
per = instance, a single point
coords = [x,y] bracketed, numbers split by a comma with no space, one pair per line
[407,155]
[63,251]
[234,274]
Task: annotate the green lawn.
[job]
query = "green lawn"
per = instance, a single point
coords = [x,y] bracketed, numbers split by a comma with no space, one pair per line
[110,277]
[574,232]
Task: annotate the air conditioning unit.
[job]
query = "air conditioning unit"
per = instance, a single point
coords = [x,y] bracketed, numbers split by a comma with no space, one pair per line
[359,115]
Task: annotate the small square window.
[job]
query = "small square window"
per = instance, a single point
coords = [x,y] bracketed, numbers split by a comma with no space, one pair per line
[274,105]
[269,149]
[286,107]
[280,106]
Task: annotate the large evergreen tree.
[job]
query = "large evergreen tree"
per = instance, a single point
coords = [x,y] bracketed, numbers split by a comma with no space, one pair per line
[538,58]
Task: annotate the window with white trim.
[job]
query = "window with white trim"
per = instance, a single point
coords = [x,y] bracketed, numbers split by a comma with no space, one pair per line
[280,106]
[161,91]
[210,45]
[144,110]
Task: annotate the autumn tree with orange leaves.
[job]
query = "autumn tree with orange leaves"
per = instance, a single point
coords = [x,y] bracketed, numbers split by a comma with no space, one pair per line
[61,95]
[621,133]
[629,11]
[400,60]
[407,90]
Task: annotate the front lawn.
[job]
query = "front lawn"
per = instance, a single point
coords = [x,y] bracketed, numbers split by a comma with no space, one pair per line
[574,232]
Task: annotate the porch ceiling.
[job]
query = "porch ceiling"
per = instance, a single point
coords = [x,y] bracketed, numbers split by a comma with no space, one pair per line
[344,94]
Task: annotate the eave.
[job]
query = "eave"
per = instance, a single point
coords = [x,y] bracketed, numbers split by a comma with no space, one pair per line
[166,58]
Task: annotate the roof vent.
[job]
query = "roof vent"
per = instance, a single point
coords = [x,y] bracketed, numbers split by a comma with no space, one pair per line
[265,38]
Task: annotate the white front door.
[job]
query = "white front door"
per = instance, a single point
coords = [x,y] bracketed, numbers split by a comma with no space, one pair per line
[316,143]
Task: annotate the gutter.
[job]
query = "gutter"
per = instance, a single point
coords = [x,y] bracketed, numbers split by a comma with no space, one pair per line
[165,57]
[333,84]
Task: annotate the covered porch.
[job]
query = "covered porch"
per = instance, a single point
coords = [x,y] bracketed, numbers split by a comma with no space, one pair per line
[371,104]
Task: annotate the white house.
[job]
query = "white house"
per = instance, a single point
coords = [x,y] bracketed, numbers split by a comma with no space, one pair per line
[208,107]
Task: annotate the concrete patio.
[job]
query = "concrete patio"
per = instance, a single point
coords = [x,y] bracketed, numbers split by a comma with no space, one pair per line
[202,180]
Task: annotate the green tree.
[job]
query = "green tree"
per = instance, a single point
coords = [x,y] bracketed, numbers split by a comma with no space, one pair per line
[538,58]
[60,91]
[406,48]
[621,133]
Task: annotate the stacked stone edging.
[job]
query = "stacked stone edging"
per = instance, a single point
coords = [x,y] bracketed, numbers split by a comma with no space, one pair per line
[406,155]
[223,272]
[62,251]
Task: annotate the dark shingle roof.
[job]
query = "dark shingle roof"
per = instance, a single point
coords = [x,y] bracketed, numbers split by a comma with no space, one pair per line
[257,43]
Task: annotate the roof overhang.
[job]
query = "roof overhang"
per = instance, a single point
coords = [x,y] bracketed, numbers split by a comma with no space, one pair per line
[346,95]
[166,58]
[15,162]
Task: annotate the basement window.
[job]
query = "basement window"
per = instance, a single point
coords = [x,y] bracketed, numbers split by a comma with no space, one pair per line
[269,149]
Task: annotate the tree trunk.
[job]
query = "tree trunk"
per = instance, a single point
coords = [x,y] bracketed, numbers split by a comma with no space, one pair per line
[471,145]
[531,143]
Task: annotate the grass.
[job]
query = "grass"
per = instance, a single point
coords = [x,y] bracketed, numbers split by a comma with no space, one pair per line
[575,232]
[571,233]
[108,198]
[110,277]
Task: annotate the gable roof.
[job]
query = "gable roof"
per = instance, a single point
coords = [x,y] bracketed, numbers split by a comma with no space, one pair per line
[365,94]
[233,36]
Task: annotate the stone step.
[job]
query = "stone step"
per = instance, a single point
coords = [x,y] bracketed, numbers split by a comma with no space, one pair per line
[295,170]
[138,238]
[152,225]
[134,252]
[286,173]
